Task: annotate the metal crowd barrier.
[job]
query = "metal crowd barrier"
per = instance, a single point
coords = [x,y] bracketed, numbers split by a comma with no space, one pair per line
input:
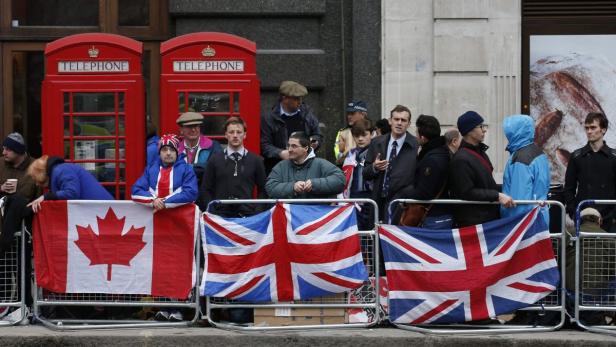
[595,273]
[365,298]
[47,304]
[13,282]
[554,302]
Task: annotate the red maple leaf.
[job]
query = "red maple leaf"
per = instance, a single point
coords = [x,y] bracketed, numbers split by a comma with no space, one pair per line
[110,246]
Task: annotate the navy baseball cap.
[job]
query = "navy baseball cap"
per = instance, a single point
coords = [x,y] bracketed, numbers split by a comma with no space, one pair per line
[357,106]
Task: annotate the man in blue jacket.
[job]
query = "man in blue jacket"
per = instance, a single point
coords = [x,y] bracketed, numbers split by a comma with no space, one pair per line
[170,181]
[527,173]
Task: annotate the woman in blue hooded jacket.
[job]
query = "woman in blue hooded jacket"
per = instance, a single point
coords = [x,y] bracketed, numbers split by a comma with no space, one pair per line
[527,173]
[66,181]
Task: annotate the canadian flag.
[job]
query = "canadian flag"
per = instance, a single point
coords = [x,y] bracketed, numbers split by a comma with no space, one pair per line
[115,247]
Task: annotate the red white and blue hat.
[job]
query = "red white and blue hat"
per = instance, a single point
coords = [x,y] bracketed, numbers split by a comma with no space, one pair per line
[170,140]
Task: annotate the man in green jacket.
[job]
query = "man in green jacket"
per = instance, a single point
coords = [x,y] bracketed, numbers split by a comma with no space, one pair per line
[303,175]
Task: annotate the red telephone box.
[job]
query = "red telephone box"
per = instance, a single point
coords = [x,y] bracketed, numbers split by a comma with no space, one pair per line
[93,107]
[213,74]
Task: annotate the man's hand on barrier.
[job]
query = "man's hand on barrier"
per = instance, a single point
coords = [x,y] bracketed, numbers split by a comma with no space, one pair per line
[36,204]
[505,200]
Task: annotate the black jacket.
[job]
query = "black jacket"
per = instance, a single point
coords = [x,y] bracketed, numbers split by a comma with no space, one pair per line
[401,175]
[274,135]
[470,178]
[220,182]
[591,175]
[430,176]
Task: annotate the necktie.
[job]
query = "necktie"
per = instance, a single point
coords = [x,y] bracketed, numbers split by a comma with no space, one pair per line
[236,158]
[392,156]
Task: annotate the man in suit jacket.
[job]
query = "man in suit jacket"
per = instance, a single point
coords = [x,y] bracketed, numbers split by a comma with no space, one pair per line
[391,160]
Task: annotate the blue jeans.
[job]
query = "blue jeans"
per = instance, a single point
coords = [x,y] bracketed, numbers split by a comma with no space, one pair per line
[438,222]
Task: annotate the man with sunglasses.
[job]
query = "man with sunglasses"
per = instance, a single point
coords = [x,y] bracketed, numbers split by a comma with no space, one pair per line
[470,175]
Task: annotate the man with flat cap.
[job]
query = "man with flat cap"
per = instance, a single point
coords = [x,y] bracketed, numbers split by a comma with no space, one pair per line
[470,175]
[287,116]
[196,146]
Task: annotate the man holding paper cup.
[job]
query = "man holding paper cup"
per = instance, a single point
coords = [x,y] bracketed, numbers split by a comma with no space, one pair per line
[16,188]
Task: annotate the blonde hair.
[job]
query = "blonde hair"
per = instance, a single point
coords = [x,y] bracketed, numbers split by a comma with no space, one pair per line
[38,170]
[345,137]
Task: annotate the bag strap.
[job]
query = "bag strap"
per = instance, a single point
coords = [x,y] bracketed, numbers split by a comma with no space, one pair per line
[482,160]
[437,196]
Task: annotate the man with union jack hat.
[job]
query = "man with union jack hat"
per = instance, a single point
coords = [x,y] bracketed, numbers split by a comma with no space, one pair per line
[170,181]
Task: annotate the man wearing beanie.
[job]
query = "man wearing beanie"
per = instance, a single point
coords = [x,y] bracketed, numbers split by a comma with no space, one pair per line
[470,175]
[16,187]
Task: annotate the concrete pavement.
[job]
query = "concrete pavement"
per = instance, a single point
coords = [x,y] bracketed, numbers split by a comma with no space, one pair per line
[169,337]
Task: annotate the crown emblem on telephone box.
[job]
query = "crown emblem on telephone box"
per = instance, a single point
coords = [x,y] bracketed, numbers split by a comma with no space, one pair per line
[93,52]
[208,51]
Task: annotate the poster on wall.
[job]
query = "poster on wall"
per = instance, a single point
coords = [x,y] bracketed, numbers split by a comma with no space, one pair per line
[570,76]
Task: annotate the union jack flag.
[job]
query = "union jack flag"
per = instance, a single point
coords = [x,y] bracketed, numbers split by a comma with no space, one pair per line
[290,252]
[471,273]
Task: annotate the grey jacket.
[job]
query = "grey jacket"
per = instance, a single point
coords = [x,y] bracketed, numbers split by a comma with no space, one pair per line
[327,179]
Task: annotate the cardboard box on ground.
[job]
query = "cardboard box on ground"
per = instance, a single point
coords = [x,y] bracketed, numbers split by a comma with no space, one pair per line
[303,316]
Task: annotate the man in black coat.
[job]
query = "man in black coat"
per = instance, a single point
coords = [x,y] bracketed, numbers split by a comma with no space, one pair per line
[470,175]
[431,174]
[591,172]
[391,160]
[233,174]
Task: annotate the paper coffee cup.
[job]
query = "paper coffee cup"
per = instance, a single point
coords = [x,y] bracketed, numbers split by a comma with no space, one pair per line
[12,181]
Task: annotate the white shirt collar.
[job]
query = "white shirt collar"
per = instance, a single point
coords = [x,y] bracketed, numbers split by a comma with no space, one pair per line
[400,141]
[286,114]
[241,151]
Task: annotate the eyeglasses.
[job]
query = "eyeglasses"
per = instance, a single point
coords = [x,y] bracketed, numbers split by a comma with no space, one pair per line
[482,126]
[294,146]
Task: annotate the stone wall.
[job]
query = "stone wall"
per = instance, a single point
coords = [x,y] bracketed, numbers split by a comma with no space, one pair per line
[444,57]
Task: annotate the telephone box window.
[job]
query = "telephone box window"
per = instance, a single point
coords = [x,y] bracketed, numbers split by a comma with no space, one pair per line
[204,102]
[213,125]
[97,102]
[236,102]
[95,125]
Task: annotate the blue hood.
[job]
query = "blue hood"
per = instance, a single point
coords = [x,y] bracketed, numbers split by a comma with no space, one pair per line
[519,130]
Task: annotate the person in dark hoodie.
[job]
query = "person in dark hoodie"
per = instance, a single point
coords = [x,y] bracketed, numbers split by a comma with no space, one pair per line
[431,174]
[470,175]
[304,176]
[65,181]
